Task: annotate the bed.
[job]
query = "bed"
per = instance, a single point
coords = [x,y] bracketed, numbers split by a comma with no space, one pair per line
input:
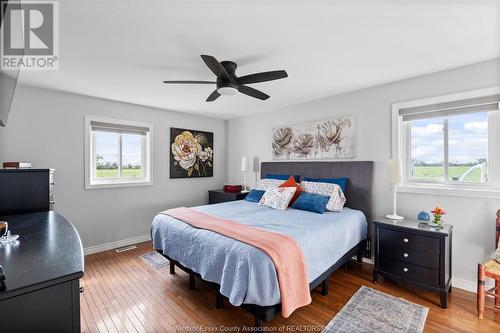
[244,274]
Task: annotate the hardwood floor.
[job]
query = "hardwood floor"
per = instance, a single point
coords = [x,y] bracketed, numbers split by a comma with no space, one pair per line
[124,294]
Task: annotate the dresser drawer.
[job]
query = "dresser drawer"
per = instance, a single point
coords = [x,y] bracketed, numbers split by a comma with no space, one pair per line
[410,272]
[421,258]
[405,240]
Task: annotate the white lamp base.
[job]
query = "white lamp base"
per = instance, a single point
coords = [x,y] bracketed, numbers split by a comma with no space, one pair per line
[394,217]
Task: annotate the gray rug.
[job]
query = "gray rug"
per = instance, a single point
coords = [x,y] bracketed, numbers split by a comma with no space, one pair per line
[155,259]
[370,310]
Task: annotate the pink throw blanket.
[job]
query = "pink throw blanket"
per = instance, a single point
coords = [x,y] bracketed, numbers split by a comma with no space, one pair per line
[284,251]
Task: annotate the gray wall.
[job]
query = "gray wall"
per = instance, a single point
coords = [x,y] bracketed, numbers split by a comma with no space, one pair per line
[473,218]
[46,128]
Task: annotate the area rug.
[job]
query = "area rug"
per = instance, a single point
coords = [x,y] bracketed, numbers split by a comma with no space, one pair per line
[370,310]
[155,259]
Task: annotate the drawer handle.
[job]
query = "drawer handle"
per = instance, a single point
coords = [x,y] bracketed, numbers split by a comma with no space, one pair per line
[405,269]
[405,240]
[405,255]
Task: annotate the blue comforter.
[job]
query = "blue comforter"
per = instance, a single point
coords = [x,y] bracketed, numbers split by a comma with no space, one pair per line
[245,273]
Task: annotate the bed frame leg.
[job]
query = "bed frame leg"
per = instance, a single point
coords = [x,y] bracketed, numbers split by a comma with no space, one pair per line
[172,267]
[359,258]
[324,287]
[219,300]
[191,281]
[258,322]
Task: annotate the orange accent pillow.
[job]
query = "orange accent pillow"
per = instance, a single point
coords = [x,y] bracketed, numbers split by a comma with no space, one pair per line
[292,183]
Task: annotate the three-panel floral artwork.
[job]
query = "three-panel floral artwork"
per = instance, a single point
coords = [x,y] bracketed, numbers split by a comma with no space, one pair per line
[327,139]
[191,153]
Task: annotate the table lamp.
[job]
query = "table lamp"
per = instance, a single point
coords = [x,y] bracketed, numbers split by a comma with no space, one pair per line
[394,179]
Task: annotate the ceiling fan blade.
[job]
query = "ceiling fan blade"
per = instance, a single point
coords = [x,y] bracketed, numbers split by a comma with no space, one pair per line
[262,77]
[213,96]
[215,67]
[252,92]
[189,82]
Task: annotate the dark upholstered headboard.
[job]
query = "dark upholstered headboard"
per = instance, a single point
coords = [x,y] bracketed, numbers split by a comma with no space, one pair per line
[359,192]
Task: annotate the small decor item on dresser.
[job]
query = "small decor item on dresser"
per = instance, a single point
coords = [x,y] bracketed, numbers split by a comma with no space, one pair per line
[438,214]
[16,165]
[423,217]
[4,227]
[5,236]
[232,188]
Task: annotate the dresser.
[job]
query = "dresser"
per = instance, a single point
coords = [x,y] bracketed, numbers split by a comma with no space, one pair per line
[414,253]
[218,196]
[26,191]
[43,269]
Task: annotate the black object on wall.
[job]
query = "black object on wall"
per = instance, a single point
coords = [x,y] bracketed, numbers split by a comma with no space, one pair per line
[25,191]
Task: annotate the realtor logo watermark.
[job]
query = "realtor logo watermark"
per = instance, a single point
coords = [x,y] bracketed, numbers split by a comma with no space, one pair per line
[30,35]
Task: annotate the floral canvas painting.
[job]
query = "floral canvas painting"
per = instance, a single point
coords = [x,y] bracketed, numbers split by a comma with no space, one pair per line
[327,139]
[191,153]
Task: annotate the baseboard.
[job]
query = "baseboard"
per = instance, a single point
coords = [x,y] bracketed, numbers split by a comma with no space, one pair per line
[468,285]
[117,244]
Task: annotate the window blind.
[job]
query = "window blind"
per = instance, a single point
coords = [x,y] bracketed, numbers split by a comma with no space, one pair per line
[97,126]
[472,105]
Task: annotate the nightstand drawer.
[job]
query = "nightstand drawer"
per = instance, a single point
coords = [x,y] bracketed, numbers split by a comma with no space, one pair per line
[410,272]
[218,196]
[421,258]
[215,197]
[406,240]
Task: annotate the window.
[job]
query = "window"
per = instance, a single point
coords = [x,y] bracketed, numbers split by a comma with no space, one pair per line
[449,142]
[118,153]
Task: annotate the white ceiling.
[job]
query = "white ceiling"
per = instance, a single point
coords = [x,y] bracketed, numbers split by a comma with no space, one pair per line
[123,49]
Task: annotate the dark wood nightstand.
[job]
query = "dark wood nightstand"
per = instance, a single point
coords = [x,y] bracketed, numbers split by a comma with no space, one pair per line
[411,252]
[218,196]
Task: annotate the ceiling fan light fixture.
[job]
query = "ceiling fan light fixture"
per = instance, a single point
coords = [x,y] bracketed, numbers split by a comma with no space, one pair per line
[227,91]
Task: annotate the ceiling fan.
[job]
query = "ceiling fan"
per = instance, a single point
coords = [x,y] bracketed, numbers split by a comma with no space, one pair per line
[229,84]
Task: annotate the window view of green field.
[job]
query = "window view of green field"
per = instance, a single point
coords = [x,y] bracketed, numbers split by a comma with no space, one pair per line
[107,149]
[454,173]
[467,148]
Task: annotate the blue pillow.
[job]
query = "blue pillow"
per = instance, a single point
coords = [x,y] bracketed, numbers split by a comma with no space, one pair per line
[282,177]
[311,202]
[342,182]
[254,195]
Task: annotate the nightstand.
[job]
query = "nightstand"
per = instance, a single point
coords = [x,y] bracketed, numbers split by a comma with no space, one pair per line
[218,196]
[411,252]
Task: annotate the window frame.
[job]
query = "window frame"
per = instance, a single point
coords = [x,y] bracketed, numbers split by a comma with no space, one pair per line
[401,149]
[147,156]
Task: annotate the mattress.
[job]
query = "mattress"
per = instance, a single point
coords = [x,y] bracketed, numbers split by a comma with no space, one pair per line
[245,273]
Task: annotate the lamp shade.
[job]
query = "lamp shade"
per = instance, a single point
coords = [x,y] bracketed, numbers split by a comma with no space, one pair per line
[394,172]
[244,166]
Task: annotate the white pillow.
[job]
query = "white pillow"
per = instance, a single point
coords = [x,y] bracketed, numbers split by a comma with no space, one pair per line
[266,184]
[337,198]
[277,198]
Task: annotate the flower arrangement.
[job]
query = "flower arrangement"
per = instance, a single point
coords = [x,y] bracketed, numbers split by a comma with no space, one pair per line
[438,214]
